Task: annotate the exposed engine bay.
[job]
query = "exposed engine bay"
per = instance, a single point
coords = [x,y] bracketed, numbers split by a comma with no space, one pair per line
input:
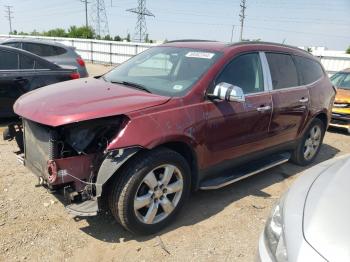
[68,156]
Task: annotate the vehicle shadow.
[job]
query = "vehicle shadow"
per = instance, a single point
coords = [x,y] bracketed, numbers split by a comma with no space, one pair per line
[204,204]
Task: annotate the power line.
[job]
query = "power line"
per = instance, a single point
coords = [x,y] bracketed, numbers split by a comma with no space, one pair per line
[242,17]
[99,18]
[142,12]
[9,16]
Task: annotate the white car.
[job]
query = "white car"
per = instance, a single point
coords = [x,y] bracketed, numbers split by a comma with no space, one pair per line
[311,222]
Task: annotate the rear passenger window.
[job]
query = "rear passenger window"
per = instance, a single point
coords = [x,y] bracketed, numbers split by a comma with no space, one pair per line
[244,71]
[310,71]
[26,62]
[43,50]
[283,70]
[8,60]
[15,45]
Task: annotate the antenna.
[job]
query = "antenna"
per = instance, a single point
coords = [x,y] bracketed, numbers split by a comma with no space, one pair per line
[99,18]
[142,12]
[242,17]
[9,16]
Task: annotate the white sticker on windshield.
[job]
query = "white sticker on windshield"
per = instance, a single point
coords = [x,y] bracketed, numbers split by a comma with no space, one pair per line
[178,87]
[204,55]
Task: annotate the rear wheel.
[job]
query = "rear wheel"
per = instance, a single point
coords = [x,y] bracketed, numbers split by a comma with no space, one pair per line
[310,145]
[152,189]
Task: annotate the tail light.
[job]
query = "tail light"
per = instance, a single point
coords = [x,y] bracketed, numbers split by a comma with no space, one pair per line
[81,61]
[74,75]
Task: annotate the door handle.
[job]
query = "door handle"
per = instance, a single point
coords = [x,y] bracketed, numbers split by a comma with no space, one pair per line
[304,100]
[264,108]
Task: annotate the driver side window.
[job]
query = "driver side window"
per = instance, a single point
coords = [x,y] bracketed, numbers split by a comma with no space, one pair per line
[244,71]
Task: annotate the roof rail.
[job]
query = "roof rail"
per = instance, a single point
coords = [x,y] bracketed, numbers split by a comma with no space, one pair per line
[189,40]
[266,43]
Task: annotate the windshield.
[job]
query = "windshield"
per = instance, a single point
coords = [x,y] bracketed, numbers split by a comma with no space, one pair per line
[341,80]
[168,71]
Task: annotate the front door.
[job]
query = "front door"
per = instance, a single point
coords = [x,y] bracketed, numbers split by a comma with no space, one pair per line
[239,128]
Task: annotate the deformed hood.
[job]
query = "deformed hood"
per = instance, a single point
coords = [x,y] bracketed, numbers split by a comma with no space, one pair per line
[82,99]
[327,212]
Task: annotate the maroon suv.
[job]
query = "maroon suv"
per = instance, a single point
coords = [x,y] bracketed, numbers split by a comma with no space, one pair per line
[182,116]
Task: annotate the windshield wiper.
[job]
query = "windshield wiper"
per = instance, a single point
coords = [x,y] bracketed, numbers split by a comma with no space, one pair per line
[132,84]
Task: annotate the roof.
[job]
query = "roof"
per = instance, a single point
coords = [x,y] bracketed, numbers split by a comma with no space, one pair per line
[220,46]
[34,40]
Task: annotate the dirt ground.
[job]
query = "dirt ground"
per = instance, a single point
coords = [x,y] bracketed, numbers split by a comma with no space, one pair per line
[220,225]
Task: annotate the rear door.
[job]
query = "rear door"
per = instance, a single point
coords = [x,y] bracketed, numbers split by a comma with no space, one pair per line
[290,98]
[12,82]
[236,129]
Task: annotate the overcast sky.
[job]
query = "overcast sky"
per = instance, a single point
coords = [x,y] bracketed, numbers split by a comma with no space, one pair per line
[296,22]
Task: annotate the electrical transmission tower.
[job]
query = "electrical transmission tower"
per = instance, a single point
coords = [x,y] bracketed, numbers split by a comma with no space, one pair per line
[141,28]
[242,17]
[99,18]
[9,16]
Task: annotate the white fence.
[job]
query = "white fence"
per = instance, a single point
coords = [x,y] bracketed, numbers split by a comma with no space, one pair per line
[96,51]
[112,52]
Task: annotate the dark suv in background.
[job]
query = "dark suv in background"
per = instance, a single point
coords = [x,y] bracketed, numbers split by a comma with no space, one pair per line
[21,72]
[53,51]
[182,116]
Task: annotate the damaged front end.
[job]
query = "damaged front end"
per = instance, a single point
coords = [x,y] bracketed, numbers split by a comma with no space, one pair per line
[72,158]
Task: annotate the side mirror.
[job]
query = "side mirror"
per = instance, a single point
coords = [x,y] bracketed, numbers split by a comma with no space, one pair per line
[228,92]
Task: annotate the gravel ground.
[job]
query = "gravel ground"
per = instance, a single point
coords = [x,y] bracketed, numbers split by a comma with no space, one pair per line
[221,225]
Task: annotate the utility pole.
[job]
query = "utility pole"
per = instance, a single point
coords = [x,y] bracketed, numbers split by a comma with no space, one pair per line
[142,12]
[233,28]
[86,12]
[242,17]
[9,16]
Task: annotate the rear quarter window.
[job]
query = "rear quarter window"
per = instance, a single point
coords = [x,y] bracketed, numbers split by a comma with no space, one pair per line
[310,71]
[43,49]
[283,70]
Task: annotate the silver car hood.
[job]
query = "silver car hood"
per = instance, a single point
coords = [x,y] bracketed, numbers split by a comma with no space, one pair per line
[327,212]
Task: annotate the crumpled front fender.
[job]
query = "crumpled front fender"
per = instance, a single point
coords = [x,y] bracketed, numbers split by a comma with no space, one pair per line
[110,165]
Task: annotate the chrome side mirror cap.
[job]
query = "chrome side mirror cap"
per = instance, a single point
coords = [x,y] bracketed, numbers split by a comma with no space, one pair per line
[228,92]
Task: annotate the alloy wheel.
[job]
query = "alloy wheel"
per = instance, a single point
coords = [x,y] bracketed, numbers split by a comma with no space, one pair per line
[312,142]
[158,194]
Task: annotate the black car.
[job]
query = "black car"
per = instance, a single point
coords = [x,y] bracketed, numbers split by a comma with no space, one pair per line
[21,72]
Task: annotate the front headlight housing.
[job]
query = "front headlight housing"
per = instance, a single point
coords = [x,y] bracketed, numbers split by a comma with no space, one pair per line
[274,234]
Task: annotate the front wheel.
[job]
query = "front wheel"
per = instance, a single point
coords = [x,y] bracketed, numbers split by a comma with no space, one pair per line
[151,190]
[310,144]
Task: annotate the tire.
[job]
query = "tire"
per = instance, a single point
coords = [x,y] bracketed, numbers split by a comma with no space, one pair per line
[135,186]
[299,155]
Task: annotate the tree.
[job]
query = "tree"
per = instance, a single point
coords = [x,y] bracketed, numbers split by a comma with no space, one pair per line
[58,32]
[117,38]
[348,50]
[81,32]
[108,38]
[146,38]
[128,38]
